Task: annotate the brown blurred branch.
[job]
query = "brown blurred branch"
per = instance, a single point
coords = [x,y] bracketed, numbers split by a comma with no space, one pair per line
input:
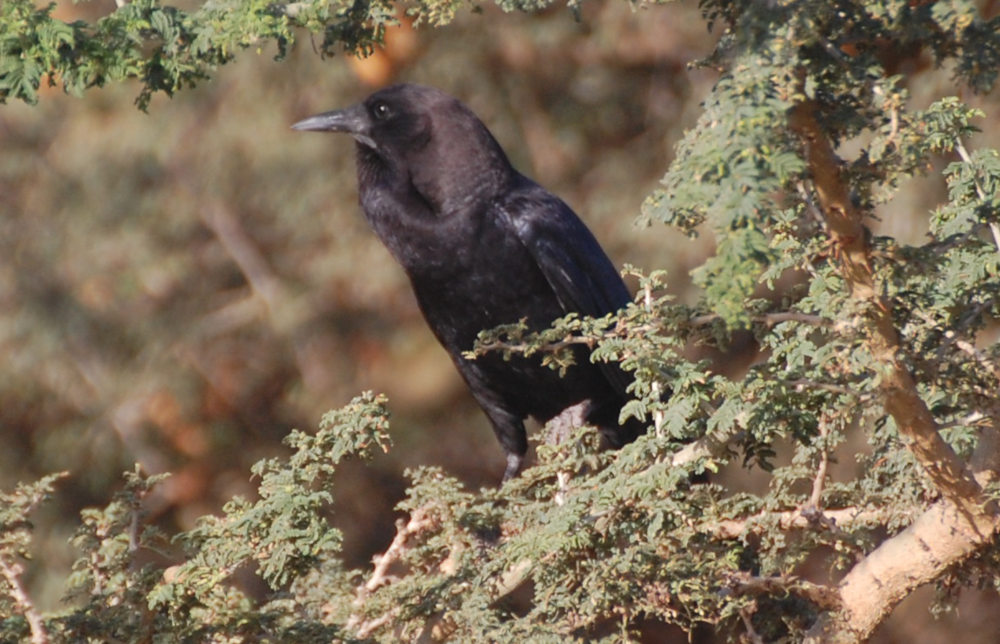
[243,251]
[282,311]
[126,410]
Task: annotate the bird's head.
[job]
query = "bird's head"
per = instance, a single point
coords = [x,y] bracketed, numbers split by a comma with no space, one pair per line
[426,137]
[396,117]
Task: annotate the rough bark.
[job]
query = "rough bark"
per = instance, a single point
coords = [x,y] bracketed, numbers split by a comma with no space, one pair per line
[962,520]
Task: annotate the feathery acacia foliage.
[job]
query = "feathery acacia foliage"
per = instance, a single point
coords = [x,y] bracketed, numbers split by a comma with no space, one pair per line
[165,47]
[866,336]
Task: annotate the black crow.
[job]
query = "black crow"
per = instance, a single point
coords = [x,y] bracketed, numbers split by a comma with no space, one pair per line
[483,245]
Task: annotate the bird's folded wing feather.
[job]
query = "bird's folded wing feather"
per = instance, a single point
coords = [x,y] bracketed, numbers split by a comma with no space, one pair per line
[580,274]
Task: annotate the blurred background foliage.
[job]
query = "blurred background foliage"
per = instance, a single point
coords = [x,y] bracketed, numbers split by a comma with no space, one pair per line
[181,288]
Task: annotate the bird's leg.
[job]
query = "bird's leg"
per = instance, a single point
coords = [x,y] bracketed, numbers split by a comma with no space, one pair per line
[514,462]
[559,428]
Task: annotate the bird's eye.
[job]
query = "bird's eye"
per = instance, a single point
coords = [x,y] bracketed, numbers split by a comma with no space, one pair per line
[381,111]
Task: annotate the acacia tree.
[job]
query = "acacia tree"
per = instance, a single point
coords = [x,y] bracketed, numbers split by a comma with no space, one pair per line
[866,338]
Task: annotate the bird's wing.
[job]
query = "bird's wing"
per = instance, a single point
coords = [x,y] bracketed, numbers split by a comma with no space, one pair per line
[574,264]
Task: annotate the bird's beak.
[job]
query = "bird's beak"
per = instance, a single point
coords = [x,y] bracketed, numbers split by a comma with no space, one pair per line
[352,120]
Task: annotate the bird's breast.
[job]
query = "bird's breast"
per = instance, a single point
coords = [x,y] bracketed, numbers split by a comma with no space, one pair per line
[486,280]
[468,268]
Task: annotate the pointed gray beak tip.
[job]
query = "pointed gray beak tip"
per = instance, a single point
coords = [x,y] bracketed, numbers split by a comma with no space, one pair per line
[352,120]
[313,124]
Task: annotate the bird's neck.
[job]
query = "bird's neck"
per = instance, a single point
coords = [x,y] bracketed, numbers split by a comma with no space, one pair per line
[460,183]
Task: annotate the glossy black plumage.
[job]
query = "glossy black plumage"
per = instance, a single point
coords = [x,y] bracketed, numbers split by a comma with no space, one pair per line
[483,245]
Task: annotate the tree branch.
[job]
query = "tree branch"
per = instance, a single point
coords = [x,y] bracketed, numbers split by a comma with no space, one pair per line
[743,583]
[963,520]
[769,319]
[798,520]
[12,571]
[619,331]
[938,539]
[420,521]
[897,388]
[819,481]
[966,158]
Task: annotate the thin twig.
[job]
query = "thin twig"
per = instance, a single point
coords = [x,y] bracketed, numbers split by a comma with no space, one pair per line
[797,520]
[746,613]
[807,383]
[558,431]
[12,573]
[769,319]
[743,583]
[967,158]
[816,497]
[811,206]
[970,350]
[620,331]
[974,419]
[658,415]
[420,520]
[707,447]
